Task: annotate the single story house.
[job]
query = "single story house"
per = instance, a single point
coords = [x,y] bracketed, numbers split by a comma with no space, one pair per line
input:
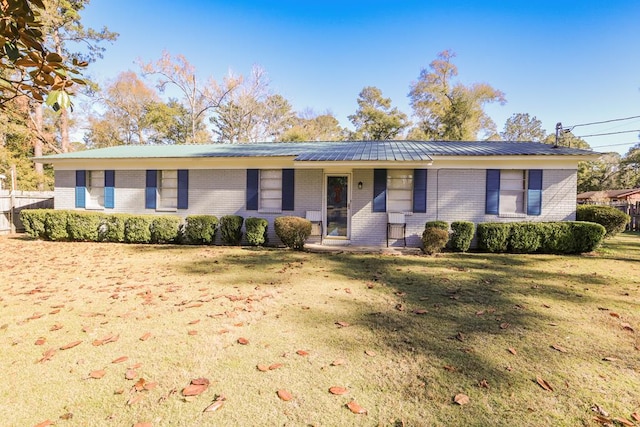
[352,189]
[626,196]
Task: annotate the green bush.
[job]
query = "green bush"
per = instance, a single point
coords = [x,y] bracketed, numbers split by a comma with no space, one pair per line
[164,229]
[434,239]
[442,225]
[112,229]
[525,237]
[461,235]
[494,236]
[55,225]
[556,237]
[293,231]
[613,220]
[587,236]
[33,221]
[137,229]
[200,229]
[231,229]
[256,229]
[84,226]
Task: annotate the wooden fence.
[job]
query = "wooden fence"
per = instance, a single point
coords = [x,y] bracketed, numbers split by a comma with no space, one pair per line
[12,204]
[633,210]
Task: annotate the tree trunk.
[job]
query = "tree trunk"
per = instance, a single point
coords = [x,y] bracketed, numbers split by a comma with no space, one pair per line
[38,120]
[64,113]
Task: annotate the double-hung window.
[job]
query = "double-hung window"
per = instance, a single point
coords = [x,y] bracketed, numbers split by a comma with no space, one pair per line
[514,192]
[167,189]
[270,193]
[95,189]
[270,190]
[399,190]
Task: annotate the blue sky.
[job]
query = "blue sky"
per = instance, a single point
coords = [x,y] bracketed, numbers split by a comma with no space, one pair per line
[563,61]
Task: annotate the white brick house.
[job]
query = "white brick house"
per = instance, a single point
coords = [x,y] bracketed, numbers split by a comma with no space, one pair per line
[352,186]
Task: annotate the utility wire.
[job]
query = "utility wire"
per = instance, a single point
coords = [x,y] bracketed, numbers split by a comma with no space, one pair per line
[609,133]
[604,121]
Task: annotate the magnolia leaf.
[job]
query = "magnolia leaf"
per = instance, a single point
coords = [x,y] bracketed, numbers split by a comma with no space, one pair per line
[130,374]
[343,324]
[70,345]
[302,353]
[53,57]
[243,341]
[139,385]
[217,404]
[355,408]
[624,421]
[97,374]
[194,389]
[558,348]
[461,399]
[262,368]
[284,395]
[120,359]
[338,362]
[275,366]
[512,351]
[47,355]
[338,390]
[544,384]
[370,353]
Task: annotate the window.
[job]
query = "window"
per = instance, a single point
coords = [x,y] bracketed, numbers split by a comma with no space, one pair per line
[512,192]
[168,189]
[270,190]
[95,189]
[399,190]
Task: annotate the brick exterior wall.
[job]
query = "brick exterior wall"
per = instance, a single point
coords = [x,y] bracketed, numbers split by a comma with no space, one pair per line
[452,194]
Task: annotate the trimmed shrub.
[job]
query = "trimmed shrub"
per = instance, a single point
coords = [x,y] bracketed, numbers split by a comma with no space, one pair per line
[494,236]
[84,226]
[434,239]
[612,219]
[137,229]
[200,229]
[442,225]
[164,229]
[525,237]
[556,237]
[33,221]
[231,229]
[256,229]
[461,235]
[293,231]
[587,236]
[55,225]
[112,230]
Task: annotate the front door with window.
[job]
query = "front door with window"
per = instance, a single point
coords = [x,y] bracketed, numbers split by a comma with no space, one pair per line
[338,204]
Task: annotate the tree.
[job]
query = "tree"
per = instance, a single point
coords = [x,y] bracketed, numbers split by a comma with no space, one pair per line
[447,110]
[27,67]
[200,99]
[126,102]
[598,175]
[310,126]
[629,176]
[374,119]
[170,123]
[523,127]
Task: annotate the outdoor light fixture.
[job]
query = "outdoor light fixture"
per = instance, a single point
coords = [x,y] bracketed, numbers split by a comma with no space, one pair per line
[360,185]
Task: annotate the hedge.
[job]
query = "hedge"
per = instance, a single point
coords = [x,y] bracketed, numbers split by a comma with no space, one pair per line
[551,237]
[112,229]
[434,239]
[442,225]
[84,226]
[137,229]
[293,231]
[200,229]
[256,231]
[55,225]
[613,220]
[164,229]
[33,221]
[231,229]
[461,235]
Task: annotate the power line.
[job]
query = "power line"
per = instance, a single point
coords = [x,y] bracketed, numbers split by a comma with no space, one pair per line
[609,133]
[614,145]
[603,121]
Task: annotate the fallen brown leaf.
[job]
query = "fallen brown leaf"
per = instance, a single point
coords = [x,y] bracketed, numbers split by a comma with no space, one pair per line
[217,404]
[66,416]
[302,353]
[504,325]
[483,384]
[55,327]
[70,345]
[626,327]
[145,336]
[635,416]
[338,362]
[338,390]
[461,399]
[192,332]
[97,374]
[544,384]
[139,385]
[355,408]
[150,385]
[120,359]
[342,324]
[135,399]
[130,374]
[45,423]
[449,368]
[624,421]
[614,314]
[370,353]
[243,341]
[40,341]
[275,366]
[284,395]
[512,351]
[558,348]
[47,355]
[197,387]
[262,368]
[609,359]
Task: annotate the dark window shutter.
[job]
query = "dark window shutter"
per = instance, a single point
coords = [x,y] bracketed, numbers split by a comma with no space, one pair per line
[288,189]
[183,189]
[420,190]
[492,206]
[534,192]
[379,190]
[109,189]
[150,190]
[81,188]
[253,183]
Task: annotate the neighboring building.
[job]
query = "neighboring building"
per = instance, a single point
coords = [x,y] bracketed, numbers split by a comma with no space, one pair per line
[350,186]
[626,196]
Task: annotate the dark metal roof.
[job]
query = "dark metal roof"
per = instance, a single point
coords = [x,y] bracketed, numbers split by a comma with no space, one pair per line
[346,151]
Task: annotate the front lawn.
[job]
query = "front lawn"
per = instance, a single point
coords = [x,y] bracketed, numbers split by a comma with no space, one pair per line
[112,334]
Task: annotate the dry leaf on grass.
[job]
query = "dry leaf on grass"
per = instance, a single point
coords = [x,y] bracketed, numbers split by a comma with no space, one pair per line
[192,333]
[243,341]
[355,408]
[338,390]
[197,387]
[144,424]
[217,404]
[275,366]
[47,355]
[558,348]
[150,385]
[135,399]
[343,324]
[624,421]
[544,384]
[120,359]
[461,399]
[504,325]
[139,385]
[302,353]
[40,341]
[614,314]
[97,374]
[284,395]
[626,326]
[512,351]
[338,362]
[70,345]
[370,353]
[45,423]
[635,416]
[130,374]
[145,336]
[262,368]
[449,368]
[420,311]
[609,359]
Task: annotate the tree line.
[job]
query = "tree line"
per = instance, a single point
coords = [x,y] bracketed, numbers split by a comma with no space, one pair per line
[166,102]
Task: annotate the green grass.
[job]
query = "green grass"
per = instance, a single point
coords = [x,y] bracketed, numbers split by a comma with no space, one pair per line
[476,307]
